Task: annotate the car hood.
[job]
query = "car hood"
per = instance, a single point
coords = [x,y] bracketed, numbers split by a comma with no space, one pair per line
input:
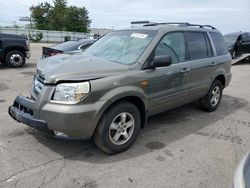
[67,67]
[10,36]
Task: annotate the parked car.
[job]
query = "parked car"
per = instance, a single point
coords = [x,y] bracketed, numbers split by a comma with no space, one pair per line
[68,46]
[14,50]
[108,92]
[242,173]
[238,43]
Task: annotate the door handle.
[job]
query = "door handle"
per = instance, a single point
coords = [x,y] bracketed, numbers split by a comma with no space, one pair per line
[185,69]
[213,64]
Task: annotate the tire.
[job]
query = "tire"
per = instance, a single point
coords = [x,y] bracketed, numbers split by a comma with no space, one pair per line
[15,59]
[2,61]
[212,99]
[107,138]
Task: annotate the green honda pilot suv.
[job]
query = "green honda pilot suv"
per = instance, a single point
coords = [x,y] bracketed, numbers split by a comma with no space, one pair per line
[108,92]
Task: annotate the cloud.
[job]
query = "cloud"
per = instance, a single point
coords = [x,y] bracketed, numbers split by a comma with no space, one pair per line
[227,15]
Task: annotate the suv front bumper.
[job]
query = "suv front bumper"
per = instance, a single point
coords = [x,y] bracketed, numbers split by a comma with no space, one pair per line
[27,119]
[76,121]
[28,54]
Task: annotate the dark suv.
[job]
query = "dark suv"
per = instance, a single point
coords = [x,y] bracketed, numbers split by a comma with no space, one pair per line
[108,92]
[238,43]
[14,50]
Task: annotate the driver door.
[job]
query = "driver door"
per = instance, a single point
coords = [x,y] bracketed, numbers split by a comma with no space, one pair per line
[169,86]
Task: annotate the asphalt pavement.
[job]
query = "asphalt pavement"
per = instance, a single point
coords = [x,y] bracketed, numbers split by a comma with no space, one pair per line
[184,147]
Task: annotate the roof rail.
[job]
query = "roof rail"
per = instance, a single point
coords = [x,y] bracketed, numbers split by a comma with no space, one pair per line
[185,24]
[140,22]
[167,23]
[202,26]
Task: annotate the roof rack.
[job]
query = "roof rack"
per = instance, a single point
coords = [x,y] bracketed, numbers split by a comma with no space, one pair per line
[140,22]
[183,24]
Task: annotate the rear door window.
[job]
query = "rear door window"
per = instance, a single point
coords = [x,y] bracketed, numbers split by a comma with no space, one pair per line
[219,43]
[198,45]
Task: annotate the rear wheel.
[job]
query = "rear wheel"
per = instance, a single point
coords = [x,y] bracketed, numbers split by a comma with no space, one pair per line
[15,59]
[118,128]
[212,100]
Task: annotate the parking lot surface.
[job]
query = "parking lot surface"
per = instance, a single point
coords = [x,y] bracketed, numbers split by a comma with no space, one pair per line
[184,147]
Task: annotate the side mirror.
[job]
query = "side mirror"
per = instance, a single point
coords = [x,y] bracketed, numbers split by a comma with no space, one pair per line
[161,61]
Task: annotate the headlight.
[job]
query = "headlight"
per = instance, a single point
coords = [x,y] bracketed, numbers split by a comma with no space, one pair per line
[71,92]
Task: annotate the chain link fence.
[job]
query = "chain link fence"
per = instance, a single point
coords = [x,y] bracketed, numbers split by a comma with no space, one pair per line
[46,35]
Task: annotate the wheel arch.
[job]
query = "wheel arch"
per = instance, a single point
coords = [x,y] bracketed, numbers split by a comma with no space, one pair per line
[17,48]
[139,103]
[222,79]
[220,74]
[134,99]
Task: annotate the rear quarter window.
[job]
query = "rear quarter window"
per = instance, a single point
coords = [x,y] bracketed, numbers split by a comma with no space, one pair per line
[219,43]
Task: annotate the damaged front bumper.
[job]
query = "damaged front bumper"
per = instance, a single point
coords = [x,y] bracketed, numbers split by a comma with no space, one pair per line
[72,121]
[21,112]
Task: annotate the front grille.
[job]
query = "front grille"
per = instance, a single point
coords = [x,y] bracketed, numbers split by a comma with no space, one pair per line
[40,76]
[37,86]
[23,108]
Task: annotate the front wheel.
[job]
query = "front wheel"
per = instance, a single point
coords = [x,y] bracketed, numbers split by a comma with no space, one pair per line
[212,100]
[15,59]
[118,128]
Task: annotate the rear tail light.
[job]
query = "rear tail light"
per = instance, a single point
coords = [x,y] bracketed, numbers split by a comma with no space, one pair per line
[53,53]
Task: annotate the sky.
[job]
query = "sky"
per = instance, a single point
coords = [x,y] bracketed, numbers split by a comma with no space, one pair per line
[226,15]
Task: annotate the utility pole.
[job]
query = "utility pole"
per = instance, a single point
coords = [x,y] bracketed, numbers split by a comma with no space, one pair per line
[26,19]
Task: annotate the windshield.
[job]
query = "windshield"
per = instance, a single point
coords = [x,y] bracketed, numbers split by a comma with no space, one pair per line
[123,47]
[230,40]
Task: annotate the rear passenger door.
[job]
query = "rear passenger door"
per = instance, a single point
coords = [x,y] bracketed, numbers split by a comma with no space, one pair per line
[200,55]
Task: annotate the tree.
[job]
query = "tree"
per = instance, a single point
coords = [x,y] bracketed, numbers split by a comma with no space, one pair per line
[40,15]
[57,15]
[77,19]
[60,17]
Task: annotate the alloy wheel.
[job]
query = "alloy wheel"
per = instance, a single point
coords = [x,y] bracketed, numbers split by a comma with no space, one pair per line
[121,128]
[215,96]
